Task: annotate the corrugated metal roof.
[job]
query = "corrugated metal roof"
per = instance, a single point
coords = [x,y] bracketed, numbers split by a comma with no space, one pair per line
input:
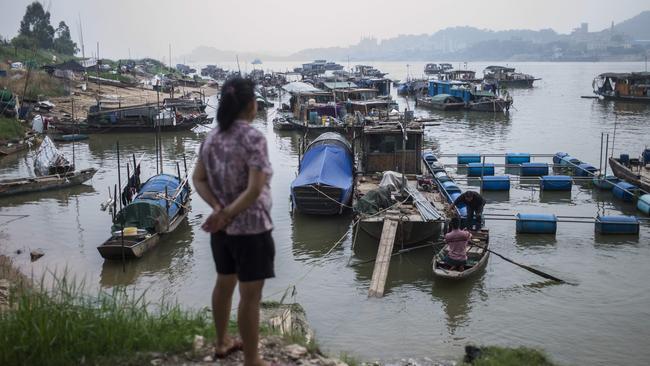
[300,87]
[339,85]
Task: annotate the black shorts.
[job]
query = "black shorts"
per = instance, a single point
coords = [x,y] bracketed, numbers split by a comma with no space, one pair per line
[249,256]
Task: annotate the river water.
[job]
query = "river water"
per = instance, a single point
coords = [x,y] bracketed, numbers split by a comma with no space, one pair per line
[602,318]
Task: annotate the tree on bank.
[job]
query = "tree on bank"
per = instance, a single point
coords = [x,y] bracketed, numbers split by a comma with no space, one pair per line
[36,31]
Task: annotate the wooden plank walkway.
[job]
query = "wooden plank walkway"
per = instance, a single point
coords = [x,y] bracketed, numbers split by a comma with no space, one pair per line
[384,254]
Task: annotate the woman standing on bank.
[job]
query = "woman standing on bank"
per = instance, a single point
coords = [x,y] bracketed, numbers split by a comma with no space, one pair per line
[232,175]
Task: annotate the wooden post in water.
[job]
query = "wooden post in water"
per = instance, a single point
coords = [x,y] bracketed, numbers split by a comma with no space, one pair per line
[384,254]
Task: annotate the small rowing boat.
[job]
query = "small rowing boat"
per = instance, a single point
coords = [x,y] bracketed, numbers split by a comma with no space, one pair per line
[10,187]
[477,257]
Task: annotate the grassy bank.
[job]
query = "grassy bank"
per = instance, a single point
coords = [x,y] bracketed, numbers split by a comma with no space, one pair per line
[499,356]
[62,325]
[10,129]
[39,56]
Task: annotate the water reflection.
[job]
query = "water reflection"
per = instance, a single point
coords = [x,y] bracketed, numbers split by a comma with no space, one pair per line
[535,240]
[457,298]
[62,197]
[313,236]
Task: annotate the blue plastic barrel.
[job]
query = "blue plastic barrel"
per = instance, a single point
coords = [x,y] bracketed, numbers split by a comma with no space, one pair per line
[442,177]
[469,158]
[605,183]
[450,187]
[517,158]
[644,204]
[558,157]
[478,169]
[584,170]
[617,225]
[624,159]
[534,169]
[556,183]
[625,191]
[570,161]
[313,117]
[496,183]
[536,223]
[429,157]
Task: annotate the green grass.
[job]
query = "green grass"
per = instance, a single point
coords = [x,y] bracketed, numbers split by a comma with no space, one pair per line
[498,356]
[41,57]
[62,325]
[10,129]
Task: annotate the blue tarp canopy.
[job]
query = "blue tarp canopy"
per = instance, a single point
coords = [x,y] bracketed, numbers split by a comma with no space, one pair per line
[149,208]
[326,165]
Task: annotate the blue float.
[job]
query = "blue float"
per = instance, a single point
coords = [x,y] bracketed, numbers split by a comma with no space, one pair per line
[625,191]
[469,158]
[644,204]
[556,183]
[429,157]
[617,225]
[450,187]
[557,158]
[536,223]
[496,183]
[534,169]
[442,177]
[570,161]
[584,170]
[517,158]
[606,183]
[479,169]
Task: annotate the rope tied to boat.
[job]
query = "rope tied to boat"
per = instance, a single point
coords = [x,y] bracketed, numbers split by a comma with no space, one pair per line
[328,197]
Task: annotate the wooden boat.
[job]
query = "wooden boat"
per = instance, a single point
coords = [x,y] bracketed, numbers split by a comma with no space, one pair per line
[69,138]
[13,148]
[161,204]
[282,124]
[639,177]
[443,102]
[477,257]
[420,212]
[10,187]
[506,76]
[324,183]
[626,87]
[491,104]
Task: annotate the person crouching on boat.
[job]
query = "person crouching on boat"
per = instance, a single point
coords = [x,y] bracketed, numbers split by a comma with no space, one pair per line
[474,203]
[232,175]
[457,241]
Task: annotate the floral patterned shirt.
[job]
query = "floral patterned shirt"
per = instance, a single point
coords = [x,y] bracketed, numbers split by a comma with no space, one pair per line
[227,157]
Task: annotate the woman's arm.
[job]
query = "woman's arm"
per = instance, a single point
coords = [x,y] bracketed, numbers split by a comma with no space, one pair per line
[257,179]
[200,180]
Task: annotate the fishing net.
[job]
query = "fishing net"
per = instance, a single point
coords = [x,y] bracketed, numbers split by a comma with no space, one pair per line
[49,160]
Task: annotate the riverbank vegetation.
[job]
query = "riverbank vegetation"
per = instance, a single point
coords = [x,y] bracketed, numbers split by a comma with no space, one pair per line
[10,129]
[499,356]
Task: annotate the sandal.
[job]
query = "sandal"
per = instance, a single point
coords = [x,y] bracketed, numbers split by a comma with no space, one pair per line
[237,345]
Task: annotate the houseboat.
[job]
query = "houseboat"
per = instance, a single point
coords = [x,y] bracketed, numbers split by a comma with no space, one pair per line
[442,102]
[507,76]
[325,176]
[475,98]
[628,87]
[387,184]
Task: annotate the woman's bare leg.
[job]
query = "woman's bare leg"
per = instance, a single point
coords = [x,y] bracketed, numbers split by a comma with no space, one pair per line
[221,305]
[248,318]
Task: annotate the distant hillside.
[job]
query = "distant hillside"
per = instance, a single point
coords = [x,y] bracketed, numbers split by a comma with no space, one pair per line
[638,27]
[212,54]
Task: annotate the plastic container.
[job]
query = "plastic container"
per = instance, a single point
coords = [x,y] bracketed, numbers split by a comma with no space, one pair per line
[625,191]
[533,169]
[517,158]
[644,204]
[570,161]
[584,170]
[496,183]
[558,157]
[624,159]
[468,158]
[429,157]
[556,183]
[450,187]
[646,156]
[478,169]
[442,177]
[605,183]
[536,223]
[617,225]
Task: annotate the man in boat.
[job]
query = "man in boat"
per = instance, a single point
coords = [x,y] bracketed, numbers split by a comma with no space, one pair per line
[474,203]
[457,241]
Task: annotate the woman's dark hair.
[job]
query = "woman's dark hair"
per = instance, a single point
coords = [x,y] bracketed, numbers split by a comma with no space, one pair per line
[236,94]
[454,223]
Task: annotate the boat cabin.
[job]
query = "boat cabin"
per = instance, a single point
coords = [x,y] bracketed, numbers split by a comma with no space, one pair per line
[463,90]
[630,86]
[462,75]
[384,148]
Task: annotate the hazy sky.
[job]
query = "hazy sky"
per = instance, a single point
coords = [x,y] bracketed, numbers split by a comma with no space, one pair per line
[146,27]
